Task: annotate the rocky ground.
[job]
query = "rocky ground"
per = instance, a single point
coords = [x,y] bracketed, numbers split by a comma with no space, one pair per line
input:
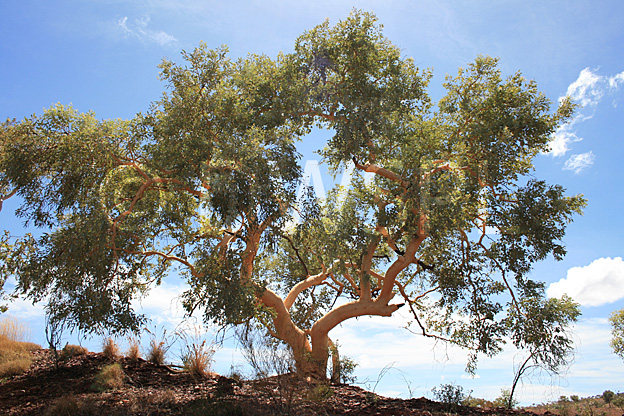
[150,389]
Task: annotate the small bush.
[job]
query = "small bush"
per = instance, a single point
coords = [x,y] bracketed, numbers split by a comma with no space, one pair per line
[110,349]
[134,353]
[505,400]
[320,393]
[347,370]
[70,351]
[197,359]
[450,395]
[71,406]
[608,396]
[110,377]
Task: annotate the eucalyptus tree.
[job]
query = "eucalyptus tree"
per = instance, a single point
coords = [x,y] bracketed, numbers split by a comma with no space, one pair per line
[205,184]
[617,332]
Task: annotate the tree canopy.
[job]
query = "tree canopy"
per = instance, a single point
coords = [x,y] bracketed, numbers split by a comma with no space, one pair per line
[205,184]
[617,331]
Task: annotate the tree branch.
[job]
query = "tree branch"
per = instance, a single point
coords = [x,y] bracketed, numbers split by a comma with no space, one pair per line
[382,172]
[292,244]
[4,198]
[303,285]
[166,257]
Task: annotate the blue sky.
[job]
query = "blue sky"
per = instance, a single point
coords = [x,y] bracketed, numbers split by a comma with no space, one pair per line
[103,56]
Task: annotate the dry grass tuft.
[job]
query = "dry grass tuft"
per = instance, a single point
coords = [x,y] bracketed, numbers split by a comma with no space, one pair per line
[14,367]
[134,353]
[70,351]
[14,353]
[198,359]
[110,349]
[72,406]
[13,329]
[157,352]
[110,377]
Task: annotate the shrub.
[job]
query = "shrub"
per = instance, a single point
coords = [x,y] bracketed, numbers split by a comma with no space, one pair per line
[450,395]
[320,392]
[619,401]
[70,351]
[110,349]
[347,367]
[197,359]
[505,400]
[608,396]
[134,353]
[110,377]
[71,406]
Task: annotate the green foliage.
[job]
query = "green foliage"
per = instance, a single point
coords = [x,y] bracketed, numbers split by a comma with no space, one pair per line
[110,377]
[347,369]
[505,400]
[451,395]
[205,184]
[617,331]
[608,396]
[320,392]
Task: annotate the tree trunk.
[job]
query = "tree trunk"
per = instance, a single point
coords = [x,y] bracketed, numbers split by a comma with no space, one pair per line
[311,357]
[336,368]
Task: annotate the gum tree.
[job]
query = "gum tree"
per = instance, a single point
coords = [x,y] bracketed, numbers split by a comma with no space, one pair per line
[205,184]
[617,332]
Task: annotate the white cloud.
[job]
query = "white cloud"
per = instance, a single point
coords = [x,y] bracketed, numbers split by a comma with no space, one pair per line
[162,305]
[578,163]
[562,139]
[367,339]
[587,90]
[599,283]
[616,80]
[138,29]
